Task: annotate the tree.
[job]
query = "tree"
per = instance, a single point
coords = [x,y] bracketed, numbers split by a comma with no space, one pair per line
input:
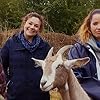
[63,16]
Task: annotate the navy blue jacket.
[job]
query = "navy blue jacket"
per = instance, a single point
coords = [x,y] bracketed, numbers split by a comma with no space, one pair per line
[87,75]
[23,77]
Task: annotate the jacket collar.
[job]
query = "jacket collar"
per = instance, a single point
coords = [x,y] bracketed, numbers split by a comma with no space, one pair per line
[19,45]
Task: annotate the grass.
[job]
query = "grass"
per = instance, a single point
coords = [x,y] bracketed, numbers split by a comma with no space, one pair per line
[54,95]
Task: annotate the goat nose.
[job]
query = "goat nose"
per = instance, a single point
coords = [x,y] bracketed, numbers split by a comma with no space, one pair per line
[43,83]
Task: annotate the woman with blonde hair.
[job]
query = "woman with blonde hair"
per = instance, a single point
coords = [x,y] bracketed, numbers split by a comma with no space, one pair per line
[22,76]
[89,46]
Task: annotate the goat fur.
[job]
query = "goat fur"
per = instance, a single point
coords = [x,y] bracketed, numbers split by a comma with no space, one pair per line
[57,73]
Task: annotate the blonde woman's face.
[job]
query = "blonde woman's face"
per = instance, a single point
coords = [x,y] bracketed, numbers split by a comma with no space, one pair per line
[32,27]
[95,26]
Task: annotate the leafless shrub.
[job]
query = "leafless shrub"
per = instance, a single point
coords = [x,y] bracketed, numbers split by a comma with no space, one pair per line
[57,40]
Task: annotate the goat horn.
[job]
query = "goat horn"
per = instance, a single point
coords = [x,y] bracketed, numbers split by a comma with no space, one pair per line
[63,49]
[50,52]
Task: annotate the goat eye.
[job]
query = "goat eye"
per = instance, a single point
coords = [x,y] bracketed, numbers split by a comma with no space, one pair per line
[59,66]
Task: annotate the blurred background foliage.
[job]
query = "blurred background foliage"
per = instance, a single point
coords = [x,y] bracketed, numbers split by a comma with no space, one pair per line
[63,16]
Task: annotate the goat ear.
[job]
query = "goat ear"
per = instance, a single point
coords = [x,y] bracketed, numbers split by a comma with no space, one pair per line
[63,49]
[38,62]
[76,63]
[50,53]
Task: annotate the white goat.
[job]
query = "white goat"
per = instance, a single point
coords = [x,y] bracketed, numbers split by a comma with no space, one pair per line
[58,73]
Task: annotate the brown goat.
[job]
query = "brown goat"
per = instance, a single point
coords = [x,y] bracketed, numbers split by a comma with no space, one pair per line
[57,72]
